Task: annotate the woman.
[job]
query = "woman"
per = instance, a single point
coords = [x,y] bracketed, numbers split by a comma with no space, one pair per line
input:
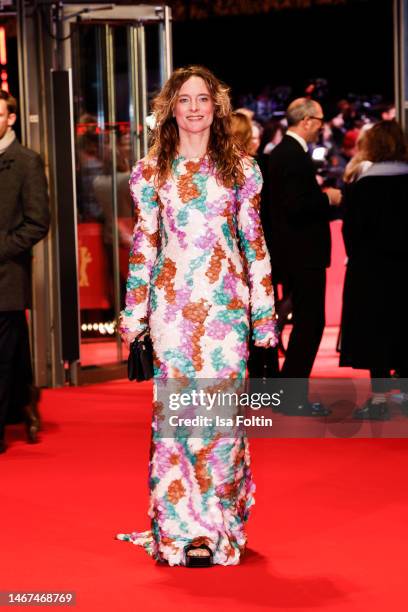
[241,129]
[256,137]
[262,363]
[374,333]
[358,164]
[247,132]
[197,264]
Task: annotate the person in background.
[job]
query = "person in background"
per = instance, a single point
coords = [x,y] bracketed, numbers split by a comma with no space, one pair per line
[256,130]
[241,130]
[359,163]
[389,112]
[246,111]
[272,134]
[24,220]
[89,166]
[262,362]
[102,189]
[297,231]
[374,327]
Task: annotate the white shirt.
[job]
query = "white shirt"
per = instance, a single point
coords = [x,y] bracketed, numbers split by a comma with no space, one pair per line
[303,144]
[300,140]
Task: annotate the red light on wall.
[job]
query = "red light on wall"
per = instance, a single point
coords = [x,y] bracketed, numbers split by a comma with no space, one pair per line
[3,48]
[4,80]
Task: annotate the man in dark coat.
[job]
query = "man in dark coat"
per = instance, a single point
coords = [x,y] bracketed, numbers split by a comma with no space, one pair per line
[24,220]
[296,217]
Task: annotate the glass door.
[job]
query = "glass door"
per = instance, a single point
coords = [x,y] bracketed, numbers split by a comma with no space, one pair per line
[117,65]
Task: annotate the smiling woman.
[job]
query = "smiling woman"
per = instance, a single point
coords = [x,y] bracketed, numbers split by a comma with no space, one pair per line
[194,112]
[197,263]
[171,140]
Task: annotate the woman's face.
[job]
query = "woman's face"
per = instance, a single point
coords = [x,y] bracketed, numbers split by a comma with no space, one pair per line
[194,108]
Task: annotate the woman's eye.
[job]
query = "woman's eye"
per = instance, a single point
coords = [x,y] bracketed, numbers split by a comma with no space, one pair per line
[203,98]
[183,100]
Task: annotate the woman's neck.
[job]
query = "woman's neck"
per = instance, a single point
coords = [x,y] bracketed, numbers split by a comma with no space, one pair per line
[193,145]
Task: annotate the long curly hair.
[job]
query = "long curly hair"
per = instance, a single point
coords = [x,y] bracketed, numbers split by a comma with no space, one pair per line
[222,151]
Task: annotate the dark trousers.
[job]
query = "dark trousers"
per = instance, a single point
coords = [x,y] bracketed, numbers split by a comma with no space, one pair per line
[307,288]
[15,363]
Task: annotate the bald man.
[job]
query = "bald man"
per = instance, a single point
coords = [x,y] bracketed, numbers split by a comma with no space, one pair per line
[297,215]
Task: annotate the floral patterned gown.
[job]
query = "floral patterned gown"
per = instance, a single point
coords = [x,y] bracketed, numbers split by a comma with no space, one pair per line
[199,276]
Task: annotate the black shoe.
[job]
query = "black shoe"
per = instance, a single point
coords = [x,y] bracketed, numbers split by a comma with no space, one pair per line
[198,556]
[372,412]
[307,409]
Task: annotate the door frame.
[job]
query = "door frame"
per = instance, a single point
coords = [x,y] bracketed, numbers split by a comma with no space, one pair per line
[60,370]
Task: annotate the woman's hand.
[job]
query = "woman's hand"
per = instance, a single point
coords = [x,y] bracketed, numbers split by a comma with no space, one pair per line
[269,342]
[128,337]
[270,337]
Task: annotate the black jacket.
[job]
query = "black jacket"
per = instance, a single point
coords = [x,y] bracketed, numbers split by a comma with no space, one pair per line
[24,220]
[295,212]
[374,332]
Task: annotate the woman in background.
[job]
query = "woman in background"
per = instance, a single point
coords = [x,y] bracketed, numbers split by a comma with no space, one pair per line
[262,363]
[374,332]
[241,129]
[359,163]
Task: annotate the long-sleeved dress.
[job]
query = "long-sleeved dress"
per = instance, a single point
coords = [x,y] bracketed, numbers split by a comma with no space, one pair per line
[199,278]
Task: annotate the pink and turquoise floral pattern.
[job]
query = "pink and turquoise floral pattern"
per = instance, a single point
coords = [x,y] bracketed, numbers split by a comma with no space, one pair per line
[200,279]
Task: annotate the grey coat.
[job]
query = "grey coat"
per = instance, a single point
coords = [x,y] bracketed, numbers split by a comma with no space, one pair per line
[24,220]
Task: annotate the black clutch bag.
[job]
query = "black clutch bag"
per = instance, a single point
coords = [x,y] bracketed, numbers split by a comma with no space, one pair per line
[140,360]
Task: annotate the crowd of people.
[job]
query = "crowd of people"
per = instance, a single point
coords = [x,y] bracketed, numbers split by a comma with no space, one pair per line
[338,140]
[301,195]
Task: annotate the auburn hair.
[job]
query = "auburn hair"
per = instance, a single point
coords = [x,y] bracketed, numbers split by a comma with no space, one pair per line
[222,151]
[241,128]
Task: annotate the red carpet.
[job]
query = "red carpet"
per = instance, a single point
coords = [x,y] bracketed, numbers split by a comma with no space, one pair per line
[328,531]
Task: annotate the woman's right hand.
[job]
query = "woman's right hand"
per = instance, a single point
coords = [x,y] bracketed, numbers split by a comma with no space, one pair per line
[128,337]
